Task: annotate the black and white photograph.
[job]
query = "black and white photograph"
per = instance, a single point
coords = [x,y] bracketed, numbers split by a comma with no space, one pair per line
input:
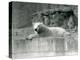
[42,30]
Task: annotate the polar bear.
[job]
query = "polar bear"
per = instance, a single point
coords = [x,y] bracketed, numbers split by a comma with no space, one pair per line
[42,30]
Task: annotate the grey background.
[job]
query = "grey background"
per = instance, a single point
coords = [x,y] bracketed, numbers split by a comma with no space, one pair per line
[22,12]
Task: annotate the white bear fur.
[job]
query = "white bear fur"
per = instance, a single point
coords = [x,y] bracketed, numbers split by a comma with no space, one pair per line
[47,31]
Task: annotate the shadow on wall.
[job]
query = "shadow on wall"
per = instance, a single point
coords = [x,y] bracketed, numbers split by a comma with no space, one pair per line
[65,18]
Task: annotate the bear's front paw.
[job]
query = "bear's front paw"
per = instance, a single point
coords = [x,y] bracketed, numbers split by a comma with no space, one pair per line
[28,38]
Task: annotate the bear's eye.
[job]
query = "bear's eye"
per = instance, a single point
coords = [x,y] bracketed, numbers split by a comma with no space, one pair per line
[35,29]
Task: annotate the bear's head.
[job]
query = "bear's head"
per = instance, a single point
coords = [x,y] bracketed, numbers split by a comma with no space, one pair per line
[40,28]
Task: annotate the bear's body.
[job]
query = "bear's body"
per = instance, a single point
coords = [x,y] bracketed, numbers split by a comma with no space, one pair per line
[45,31]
